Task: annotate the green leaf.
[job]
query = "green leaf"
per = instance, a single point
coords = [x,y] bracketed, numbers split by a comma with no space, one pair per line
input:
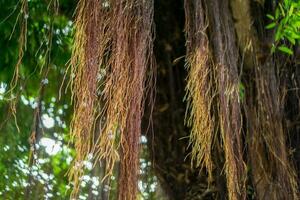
[285,49]
[296,24]
[295,35]
[282,10]
[291,10]
[277,13]
[285,20]
[273,48]
[270,26]
[278,35]
[291,39]
[270,17]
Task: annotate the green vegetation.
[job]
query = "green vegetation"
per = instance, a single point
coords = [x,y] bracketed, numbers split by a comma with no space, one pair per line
[286,22]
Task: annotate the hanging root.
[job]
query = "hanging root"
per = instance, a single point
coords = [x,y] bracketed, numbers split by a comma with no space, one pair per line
[131,54]
[22,16]
[22,19]
[273,174]
[200,90]
[85,66]
[113,48]
[226,58]
[199,87]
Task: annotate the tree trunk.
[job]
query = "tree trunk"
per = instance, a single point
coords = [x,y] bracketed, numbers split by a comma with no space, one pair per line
[169,143]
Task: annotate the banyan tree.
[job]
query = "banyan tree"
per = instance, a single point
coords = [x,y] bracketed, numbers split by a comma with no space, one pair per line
[213,85]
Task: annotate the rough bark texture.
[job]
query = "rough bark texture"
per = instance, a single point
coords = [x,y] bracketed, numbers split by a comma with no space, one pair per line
[273,175]
[268,102]
[226,58]
[169,144]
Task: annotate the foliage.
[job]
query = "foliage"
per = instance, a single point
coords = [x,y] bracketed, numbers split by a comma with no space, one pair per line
[286,22]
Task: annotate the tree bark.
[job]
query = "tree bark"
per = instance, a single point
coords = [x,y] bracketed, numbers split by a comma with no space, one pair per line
[169,143]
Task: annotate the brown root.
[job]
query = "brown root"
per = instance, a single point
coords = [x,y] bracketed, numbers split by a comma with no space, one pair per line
[199,86]
[113,49]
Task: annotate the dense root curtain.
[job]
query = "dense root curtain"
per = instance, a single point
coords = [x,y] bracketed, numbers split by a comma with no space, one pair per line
[272,172]
[214,17]
[226,62]
[85,63]
[199,86]
[133,50]
[111,56]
